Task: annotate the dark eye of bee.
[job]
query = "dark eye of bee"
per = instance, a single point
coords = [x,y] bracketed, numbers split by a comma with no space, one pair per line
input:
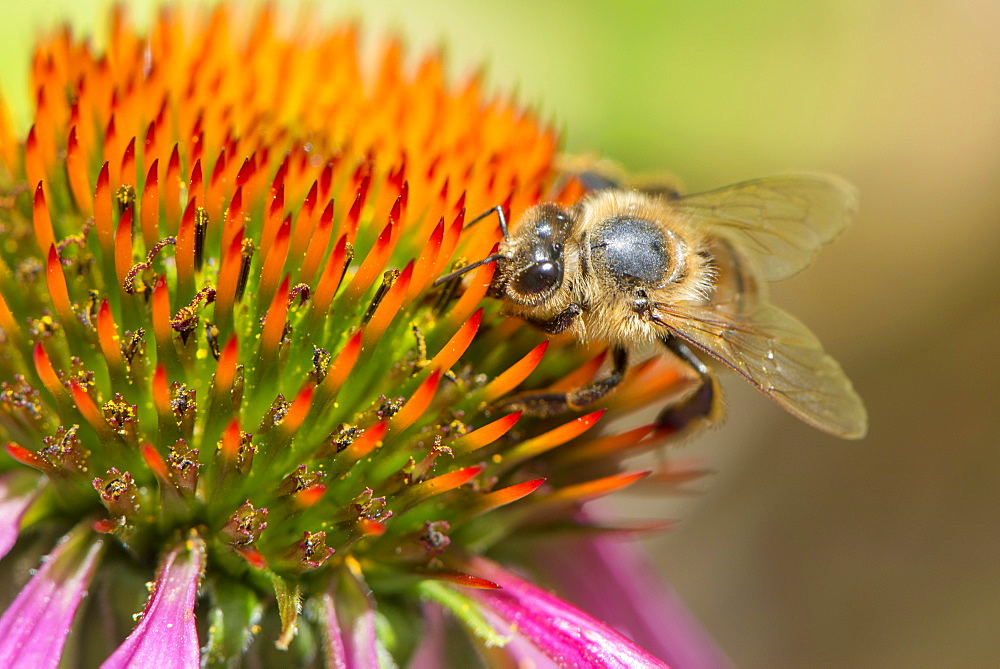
[538,278]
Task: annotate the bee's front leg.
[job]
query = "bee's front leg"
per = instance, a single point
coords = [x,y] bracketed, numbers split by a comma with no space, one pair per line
[551,404]
[704,405]
[560,322]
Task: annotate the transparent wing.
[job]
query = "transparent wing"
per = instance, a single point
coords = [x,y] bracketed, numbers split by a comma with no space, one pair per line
[780,222]
[778,355]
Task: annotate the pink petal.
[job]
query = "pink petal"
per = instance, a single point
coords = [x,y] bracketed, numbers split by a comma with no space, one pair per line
[17,491]
[641,607]
[34,628]
[349,621]
[166,636]
[430,651]
[566,635]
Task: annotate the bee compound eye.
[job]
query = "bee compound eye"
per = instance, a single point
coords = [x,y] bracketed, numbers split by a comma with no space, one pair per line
[538,278]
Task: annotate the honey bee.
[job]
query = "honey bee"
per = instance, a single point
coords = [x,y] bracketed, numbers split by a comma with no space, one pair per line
[635,268]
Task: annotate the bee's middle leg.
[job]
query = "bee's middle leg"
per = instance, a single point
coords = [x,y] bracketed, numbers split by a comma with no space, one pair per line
[551,404]
[701,406]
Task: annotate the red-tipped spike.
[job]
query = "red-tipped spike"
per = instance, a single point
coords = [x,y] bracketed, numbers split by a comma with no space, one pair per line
[459,342]
[58,292]
[225,370]
[172,193]
[498,498]
[150,211]
[102,213]
[44,233]
[123,246]
[424,268]
[485,435]
[372,265]
[440,484]
[330,280]
[552,438]
[465,580]
[390,306]
[310,496]
[593,489]
[76,170]
[418,403]
[366,443]
[274,322]
[107,335]
[29,458]
[515,374]
[275,260]
[317,245]
[342,365]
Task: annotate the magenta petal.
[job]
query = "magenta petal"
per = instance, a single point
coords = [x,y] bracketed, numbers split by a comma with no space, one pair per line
[17,491]
[430,652]
[565,634]
[349,621]
[166,636]
[34,628]
[641,606]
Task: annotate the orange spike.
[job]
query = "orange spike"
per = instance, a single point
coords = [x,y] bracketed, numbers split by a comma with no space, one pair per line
[184,250]
[44,233]
[253,556]
[88,409]
[450,242]
[225,368]
[76,170]
[390,306]
[46,372]
[274,262]
[498,498]
[371,528]
[417,404]
[309,497]
[230,443]
[30,458]
[459,342]
[474,293]
[274,322]
[342,365]
[594,489]
[464,580]
[229,276]
[422,271]
[196,184]
[552,438]
[123,246]
[107,336]
[317,245]
[515,374]
[372,265]
[234,216]
[172,193]
[128,164]
[366,443]
[272,221]
[331,278]
[7,320]
[579,376]
[8,141]
[102,213]
[215,199]
[485,435]
[440,484]
[161,391]
[155,462]
[611,445]
[299,409]
[34,166]
[150,211]
[160,308]
[58,292]
[305,223]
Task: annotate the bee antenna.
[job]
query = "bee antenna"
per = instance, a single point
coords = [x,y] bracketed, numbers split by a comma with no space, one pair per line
[468,268]
[499,211]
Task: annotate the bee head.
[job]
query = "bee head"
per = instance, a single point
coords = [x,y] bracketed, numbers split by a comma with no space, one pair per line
[531,269]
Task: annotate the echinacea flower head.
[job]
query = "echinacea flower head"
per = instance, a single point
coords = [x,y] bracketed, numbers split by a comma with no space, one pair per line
[239,416]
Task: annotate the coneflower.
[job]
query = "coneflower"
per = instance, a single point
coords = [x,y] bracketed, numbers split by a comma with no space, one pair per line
[239,416]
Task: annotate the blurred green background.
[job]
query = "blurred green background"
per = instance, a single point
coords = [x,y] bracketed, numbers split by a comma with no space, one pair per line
[800,550]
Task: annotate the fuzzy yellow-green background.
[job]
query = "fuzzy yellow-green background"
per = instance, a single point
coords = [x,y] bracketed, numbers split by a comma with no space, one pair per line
[802,550]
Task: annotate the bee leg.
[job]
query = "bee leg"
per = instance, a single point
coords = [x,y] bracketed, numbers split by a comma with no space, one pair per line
[561,321]
[551,404]
[701,406]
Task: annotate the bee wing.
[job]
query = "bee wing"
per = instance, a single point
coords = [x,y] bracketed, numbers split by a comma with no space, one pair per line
[779,356]
[780,222]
